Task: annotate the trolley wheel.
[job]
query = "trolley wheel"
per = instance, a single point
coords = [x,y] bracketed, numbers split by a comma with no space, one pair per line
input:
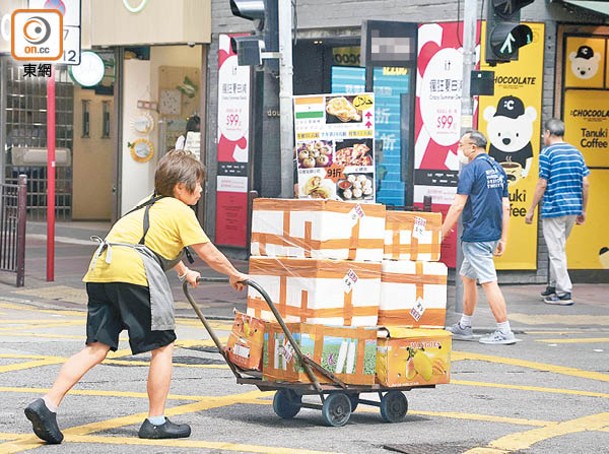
[286,403]
[336,409]
[394,406]
[354,398]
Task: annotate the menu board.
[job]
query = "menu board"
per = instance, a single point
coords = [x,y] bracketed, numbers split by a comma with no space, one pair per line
[335,146]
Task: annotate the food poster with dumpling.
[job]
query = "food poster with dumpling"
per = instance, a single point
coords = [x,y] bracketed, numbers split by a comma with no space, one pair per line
[334,146]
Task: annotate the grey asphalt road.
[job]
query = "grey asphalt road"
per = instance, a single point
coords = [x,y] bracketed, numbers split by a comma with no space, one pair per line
[548,393]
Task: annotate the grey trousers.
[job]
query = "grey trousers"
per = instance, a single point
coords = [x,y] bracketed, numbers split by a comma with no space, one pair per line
[555,233]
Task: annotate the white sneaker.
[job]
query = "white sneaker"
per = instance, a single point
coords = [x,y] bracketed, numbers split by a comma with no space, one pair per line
[499,338]
[460,332]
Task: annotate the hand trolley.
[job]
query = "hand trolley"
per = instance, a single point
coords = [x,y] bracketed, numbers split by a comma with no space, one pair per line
[338,400]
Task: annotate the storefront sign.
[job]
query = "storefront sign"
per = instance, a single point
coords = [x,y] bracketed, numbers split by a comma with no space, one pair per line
[586,116]
[335,146]
[511,121]
[233,147]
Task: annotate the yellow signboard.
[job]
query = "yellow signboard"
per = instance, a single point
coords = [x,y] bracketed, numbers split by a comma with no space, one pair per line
[511,120]
[587,246]
[586,119]
[586,116]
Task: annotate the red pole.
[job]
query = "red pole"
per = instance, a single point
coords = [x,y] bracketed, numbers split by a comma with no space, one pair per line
[51,176]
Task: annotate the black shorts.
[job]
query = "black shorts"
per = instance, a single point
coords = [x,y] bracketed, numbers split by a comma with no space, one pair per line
[115,306]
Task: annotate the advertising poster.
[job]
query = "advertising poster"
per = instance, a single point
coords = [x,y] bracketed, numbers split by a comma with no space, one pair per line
[511,121]
[390,84]
[233,147]
[335,146]
[437,120]
[586,116]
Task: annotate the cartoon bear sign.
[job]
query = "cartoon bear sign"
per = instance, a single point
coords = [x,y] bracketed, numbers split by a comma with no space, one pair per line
[510,129]
[584,62]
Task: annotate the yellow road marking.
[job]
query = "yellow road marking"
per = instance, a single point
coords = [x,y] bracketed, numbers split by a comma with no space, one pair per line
[585,340]
[569,320]
[23,443]
[524,440]
[208,403]
[530,388]
[49,361]
[109,393]
[563,370]
[23,308]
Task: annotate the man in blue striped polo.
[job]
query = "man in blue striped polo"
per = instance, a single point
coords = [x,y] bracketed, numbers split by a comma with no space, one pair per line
[563,184]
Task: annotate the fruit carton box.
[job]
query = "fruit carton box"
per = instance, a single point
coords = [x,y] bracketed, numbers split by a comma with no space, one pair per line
[325,229]
[348,353]
[413,235]
[246,341]
[413,357]
[413,294]
[321,292]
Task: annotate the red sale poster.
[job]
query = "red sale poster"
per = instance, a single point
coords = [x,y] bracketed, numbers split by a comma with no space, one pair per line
[437,119]
[233,147]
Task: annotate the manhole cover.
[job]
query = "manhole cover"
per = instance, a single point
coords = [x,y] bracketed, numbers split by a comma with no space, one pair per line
[427,448]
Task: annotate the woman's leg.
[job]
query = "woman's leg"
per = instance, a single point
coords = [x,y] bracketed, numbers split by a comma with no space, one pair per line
[159,379]
[74,369]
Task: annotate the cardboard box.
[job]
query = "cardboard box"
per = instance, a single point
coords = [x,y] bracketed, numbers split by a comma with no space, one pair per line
[413,235]
[348,353]
[246,341]
[322,292]
[413,294]
[413,357]
[324,229]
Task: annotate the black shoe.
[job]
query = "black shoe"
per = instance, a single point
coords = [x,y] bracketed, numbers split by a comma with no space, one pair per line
[44,422]
[559,300]
[549,291]
[166,430]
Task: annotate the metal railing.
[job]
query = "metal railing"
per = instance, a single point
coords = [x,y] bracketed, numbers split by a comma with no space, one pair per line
[13,200]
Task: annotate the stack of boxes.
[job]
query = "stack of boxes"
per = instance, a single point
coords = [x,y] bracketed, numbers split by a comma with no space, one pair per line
[338,271]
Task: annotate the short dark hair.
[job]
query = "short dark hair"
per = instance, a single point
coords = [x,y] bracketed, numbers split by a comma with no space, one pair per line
[193,124]
[178,166]
[555,127]
[477,138]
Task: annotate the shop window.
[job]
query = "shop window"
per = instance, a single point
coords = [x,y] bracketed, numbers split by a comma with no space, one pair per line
[106,119]
[86,119]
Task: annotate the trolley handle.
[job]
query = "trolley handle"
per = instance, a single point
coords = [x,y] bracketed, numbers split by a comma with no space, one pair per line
[306,362]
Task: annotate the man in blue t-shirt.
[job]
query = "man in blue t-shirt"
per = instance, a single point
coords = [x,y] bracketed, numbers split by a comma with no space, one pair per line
[482,200]
[563,185]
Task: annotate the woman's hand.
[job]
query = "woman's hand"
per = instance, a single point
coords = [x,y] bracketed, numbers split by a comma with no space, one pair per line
[236,281]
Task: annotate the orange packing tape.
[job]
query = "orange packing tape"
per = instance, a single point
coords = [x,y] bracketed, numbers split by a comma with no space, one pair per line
[258,305]
[309,244]
[417,279]
[369,209]
[318,268]
[402,317]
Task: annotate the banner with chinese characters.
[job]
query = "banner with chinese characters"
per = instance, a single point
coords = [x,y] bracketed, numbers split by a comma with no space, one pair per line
[335,146]
[438,120]
[511,121]
[233,147]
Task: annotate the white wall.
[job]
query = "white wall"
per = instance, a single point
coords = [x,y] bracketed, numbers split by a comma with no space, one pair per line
[137,178]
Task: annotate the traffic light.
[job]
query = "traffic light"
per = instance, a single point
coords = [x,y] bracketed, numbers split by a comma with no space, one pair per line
[504,32]
[263,13]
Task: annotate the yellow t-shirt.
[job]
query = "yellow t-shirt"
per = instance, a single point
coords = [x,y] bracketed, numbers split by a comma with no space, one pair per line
[173,226]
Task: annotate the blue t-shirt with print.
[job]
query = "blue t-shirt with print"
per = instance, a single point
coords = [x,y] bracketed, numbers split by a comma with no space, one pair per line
[485,183]
[563,167]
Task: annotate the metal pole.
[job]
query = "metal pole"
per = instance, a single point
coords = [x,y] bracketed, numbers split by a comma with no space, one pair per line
[470,7]
[21,228]
[286,123]
[51,176]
